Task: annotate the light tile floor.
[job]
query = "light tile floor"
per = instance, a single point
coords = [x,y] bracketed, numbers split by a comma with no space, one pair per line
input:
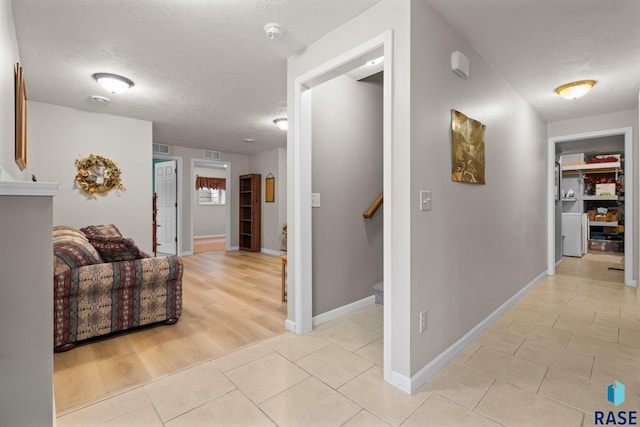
[546,362]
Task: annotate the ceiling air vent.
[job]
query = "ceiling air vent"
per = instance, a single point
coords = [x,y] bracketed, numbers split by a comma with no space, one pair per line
[211,155]
[161,149]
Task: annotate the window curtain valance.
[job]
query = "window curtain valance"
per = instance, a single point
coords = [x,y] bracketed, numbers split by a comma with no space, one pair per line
[211,183]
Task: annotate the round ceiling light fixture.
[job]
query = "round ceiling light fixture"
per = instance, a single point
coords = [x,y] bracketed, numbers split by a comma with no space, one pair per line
[113,82]
[273,30]
[281,123]
[575,90]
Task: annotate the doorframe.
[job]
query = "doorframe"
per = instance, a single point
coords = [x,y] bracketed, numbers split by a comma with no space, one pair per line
[629,197]
[300,162]
[178,197]
[214,164]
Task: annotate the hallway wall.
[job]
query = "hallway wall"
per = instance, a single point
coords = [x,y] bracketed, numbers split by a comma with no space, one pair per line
[480,244]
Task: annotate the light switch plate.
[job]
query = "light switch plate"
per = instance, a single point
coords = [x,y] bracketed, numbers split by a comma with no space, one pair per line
[425,200]
[315,200]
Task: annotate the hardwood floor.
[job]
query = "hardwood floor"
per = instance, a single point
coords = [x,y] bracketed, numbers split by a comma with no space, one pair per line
[230,299]
[209,244]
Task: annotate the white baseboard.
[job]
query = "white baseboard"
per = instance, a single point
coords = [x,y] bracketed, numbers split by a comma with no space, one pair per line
[271,252]
[234,248]
[209,236]
[344,310]
[431,368]
[559,262]
[186,253]
[290,325]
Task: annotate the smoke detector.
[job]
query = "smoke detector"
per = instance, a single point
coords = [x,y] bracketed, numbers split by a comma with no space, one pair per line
[273,30]
[100,99]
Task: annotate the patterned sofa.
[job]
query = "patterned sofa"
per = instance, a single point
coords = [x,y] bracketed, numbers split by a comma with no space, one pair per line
[103,283]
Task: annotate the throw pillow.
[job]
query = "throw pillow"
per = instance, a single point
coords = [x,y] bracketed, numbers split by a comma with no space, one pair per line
[72,249]
[115,248]
[108,230]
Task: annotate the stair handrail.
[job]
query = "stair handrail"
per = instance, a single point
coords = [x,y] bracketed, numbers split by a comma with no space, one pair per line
[374,207]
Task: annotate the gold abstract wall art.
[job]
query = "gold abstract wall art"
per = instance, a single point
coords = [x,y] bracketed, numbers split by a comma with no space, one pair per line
[467,153]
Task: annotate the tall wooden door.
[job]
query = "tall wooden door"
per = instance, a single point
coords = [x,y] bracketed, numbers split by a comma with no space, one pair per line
[167,218]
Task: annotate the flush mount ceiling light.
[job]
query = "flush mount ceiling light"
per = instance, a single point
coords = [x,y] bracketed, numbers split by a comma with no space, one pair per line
[575,90]
[274,30]
[113,82]
[281,123]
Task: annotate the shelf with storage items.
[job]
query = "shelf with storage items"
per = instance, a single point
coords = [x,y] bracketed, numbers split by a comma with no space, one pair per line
[250,213]
[597,189]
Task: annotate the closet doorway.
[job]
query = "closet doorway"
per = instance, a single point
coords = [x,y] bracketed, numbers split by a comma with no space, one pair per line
[595,232]
[210,206]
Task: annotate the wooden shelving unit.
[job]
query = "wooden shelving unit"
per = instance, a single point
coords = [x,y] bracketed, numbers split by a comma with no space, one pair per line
[250,215]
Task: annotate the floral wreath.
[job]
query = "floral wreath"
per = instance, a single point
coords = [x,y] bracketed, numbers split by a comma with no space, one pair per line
[97,174]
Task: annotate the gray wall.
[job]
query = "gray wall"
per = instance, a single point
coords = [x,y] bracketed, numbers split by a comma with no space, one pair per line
[626,118]
[383,16]
[26,311]
[480,244]
[347,172]
[10,55]
[208,220]
[271,161]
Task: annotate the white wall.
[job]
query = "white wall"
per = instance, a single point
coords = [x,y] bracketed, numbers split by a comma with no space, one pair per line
[615,120]
[264,163]
[480,244]
[208,220]
[60,135]
[9,55]
[347,172]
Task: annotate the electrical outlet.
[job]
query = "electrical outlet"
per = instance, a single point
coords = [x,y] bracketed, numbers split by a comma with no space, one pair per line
[423,321]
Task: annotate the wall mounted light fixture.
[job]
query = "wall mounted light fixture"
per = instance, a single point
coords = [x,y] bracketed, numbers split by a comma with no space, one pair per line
[113,82]
[575,90]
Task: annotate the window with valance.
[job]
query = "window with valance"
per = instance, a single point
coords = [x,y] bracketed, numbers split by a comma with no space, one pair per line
[211,191]
[211,183]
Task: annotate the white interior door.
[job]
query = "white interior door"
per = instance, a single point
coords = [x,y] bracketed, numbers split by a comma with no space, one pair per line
[166,188]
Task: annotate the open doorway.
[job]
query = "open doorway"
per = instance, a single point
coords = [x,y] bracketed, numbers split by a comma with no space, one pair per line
[591,208]
[210,202]
[300,211]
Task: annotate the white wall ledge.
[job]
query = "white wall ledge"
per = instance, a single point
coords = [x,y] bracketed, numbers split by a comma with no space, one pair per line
[28,188]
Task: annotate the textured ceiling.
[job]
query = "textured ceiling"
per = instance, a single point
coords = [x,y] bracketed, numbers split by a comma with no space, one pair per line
[538,45]
[204,71]
[207,77]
